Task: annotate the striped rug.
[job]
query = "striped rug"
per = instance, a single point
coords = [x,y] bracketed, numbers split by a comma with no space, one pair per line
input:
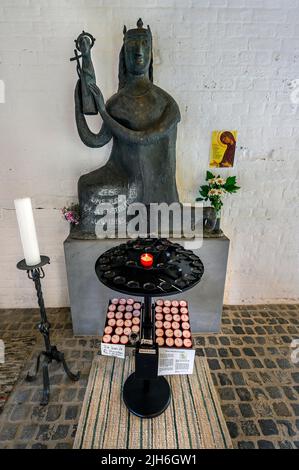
[192,421]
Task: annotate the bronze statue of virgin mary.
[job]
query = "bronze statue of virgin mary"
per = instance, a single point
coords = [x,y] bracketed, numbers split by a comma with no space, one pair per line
[140,118]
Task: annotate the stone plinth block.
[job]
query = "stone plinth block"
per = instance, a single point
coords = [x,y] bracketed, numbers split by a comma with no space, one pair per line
[89,298]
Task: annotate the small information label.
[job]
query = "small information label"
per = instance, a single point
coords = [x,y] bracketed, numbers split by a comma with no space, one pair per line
[115,350]
[176,361]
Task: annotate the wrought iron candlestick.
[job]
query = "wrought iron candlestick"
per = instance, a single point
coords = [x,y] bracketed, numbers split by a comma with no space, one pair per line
[36,273]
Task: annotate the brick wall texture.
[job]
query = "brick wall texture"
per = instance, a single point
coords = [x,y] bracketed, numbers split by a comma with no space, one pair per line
[229,64]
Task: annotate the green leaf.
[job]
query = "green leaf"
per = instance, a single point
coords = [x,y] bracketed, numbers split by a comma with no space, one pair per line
[231,180]
[209,176]
[199,199]
[204,190]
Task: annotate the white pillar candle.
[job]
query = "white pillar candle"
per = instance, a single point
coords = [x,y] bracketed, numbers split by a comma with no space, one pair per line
[27,231]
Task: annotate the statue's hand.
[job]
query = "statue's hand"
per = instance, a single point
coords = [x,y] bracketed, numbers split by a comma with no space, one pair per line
[85,45]
[97,96]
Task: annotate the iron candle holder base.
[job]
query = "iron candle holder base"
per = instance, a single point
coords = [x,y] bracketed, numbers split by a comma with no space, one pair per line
[36,273]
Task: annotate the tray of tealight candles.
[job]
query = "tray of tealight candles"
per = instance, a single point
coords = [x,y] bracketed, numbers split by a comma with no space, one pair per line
[172,325]
[122,326]
[173,337]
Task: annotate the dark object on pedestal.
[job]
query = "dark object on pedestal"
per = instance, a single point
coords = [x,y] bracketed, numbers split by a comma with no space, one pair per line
[174,270]
[209,219]
[36,273]
[141,118]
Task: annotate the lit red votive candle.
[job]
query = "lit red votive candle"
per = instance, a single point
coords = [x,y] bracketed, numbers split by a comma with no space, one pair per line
[146,260]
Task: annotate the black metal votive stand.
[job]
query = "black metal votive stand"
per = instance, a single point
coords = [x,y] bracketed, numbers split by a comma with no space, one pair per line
[36,273]
[175,270]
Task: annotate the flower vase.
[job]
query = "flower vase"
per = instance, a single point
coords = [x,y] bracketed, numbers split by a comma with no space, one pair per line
[217,228]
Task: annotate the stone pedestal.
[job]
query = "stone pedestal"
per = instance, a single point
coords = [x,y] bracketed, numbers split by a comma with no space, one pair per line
[89,298]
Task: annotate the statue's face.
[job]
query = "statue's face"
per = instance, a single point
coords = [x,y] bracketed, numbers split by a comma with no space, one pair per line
[137,53]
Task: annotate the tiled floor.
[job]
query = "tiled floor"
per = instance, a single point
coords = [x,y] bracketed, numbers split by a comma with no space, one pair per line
[250,361]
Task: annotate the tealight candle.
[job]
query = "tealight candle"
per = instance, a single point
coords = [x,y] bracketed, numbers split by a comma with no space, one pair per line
[112,308]
[169,333]
[187,343]
[27,231]
[136,321]
[115,339]
[106,339]
[124,339]
[108,330]
[146,260]
[110,315]
[186,334]
[178,333]
[170,342]
[178,342]
[135,329]
[160,341]
[119,331]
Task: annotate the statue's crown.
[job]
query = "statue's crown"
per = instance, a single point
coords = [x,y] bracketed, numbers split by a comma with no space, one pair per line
[138,30]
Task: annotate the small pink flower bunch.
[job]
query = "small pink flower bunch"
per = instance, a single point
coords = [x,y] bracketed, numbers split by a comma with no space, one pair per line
[71,214]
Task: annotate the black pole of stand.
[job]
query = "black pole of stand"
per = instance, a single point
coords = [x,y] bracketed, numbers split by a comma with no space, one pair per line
[36,273]
[145,393]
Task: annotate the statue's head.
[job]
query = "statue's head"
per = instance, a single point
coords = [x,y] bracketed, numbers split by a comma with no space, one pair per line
[136,55]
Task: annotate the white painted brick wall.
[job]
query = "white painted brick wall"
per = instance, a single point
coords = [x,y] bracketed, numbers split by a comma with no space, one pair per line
[228,63]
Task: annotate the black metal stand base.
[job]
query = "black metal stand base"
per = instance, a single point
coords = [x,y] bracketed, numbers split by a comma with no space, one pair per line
[146,398]
[52,354]
[36,273]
